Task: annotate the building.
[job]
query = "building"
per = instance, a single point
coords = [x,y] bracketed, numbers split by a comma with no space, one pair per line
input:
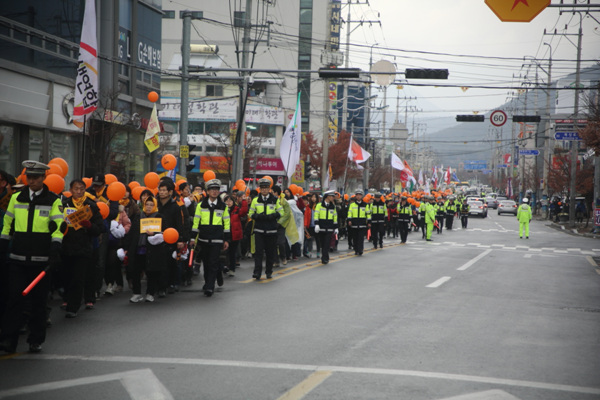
[39,46]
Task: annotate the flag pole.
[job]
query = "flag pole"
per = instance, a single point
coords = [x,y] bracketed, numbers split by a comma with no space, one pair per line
[290,153]
[346,169]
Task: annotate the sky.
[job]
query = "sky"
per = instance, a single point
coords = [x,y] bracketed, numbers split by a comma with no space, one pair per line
[468,39]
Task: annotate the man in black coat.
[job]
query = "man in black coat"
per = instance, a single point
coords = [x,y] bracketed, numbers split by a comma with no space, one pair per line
[172,217]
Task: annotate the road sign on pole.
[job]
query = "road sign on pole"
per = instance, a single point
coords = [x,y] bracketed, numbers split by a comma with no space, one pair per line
[529,152]
[498,118]
[517,10]
[567,136]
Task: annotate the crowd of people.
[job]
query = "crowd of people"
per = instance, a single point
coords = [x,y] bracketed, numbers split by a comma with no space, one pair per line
[91,246]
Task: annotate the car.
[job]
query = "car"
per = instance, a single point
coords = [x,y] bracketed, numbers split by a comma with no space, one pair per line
[491,202]
[507,207]
[477,208]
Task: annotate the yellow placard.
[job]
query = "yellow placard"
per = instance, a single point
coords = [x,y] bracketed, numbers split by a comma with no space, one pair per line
[73,216]
[150,225]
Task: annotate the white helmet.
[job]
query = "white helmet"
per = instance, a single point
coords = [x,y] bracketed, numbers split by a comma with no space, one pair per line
[525,200]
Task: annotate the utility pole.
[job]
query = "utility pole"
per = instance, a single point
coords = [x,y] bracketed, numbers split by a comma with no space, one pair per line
[546,153]
[185,86]
[574,143]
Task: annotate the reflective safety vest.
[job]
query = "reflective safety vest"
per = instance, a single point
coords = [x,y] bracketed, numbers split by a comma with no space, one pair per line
[524,213]
[212,224]
[429,213]
[265,213]
[378,212]
[404,212]
[36,225]
[326,217]
[359,214]
[440,209]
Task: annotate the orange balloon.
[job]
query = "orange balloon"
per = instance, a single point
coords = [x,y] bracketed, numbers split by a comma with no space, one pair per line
[136,192]
[168,162]
[63,164]
[55,169]
[55,183]
[179,182]
[154,191]
[66,193]
[293,188]
[208,175]
[110,178]
[133,184]
[116,191]
[269,178]
[104,210]
[151,180]
[170,235]
[153,97]
[299,191]
[87,181]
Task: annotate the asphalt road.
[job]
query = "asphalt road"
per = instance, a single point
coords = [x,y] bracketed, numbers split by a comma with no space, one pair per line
[476,314]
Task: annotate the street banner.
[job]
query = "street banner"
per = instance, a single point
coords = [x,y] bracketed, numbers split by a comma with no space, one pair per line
[151,139]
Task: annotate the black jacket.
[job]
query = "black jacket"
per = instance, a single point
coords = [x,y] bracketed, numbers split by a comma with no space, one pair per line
[172,217]
[80,242]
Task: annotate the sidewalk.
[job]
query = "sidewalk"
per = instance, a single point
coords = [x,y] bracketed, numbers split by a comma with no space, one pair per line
[579,230]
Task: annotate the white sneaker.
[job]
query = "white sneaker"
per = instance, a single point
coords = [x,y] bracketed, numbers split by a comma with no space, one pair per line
[109,290]
[136,298]
[149,298]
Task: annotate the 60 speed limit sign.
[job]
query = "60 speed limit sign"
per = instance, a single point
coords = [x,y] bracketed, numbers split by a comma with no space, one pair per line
[498,118]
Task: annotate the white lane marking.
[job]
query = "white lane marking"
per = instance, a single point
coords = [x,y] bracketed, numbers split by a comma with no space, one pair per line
[140,384]
[494,394]
[592,261]
[304,367]
[527,255]
[474,260]
[306,386]
[439,282]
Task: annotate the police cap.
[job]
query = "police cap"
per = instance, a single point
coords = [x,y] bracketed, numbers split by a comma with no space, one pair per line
[35,168]
[264,183]
[329,193]
[213,184]
[359,191]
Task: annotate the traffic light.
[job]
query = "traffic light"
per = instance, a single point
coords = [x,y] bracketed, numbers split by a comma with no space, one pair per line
[470,118]
[424,73]
[191,159]
[339,73]
[526,118]
[306,170]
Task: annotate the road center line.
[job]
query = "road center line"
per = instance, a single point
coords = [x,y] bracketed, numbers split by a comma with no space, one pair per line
[306,386]
[439,282]
[306,367]
[473,261]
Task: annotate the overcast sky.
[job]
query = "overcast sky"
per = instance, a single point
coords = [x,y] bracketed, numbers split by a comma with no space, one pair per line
[462,28]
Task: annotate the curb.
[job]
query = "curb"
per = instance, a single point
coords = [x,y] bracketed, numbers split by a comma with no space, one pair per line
[572,232]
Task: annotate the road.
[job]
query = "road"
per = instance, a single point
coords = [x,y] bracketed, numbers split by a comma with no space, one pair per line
[476,314]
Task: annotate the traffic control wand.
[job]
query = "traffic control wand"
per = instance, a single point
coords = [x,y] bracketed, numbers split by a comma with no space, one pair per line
[35,282]
[191,258]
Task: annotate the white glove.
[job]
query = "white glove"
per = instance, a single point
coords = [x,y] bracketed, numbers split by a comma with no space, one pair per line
[156,239]
[117,230]
[114,225]
[184,255]
[121,254]
[187,201]
[317,228]
[174,255]
[336,231]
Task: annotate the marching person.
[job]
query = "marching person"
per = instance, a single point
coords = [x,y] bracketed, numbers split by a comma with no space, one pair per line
[326,223]
[212,229]
[378,216]
[430,215]
[464,214]
[265,210]
[33,220]
[440,213]
[359,220]
[404,218]
[524,216]
[450,211]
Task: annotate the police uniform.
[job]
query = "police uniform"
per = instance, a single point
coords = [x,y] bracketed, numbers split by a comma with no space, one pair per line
[378,214]
[450,211]
[33,222]
[265,211]
[524,215]
[440,213]
[464,214]
[430,214]
[211,228]
[404,216]
[326,224]
[360,217]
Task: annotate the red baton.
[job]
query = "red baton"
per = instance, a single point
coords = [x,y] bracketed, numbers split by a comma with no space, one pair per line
[33,283]
[191,258]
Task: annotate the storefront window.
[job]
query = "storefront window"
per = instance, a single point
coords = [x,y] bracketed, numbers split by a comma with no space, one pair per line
[128,158]
[7,149]
[36,143]
[65,147]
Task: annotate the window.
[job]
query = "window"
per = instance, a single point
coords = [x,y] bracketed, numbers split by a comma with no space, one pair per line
[211,149]
[214,90]
[168,14]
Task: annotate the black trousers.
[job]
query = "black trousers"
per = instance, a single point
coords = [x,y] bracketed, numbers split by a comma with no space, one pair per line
[136,268]
[440,221]
[377,233]
[325,240]
[212,264]
[403,227]
[264,243]
[231,254]
[20,276]
[359,239]
[78,281]
[351,237]
[449,221]
[464,220]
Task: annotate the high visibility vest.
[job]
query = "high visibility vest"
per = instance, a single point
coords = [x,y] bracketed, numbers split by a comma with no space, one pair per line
[271,206]
[359,215]
[326,217]
[404,212]
[212,225]
[378,212]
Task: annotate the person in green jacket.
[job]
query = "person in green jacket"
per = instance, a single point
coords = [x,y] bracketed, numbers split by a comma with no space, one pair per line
[430,213]
[282,223]
[524,215]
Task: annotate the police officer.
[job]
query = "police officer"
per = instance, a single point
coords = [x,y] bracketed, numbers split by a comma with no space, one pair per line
[359,220]
[464,214]
[326,223]
[378,214]
[524,216]
[450,211]
[404,217]
[33,221]
[265,210]
[212,229]
[440,213]
[430,215]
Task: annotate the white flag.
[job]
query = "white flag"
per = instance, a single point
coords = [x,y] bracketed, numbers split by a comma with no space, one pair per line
[86,83]
[397,162]
[421,180]
[289,149]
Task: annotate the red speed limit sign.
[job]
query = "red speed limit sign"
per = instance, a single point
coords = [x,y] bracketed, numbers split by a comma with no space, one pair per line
[498,118]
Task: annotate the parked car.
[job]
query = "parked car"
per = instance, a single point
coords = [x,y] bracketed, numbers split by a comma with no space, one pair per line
[491,202]
[507,207]
[477,208]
